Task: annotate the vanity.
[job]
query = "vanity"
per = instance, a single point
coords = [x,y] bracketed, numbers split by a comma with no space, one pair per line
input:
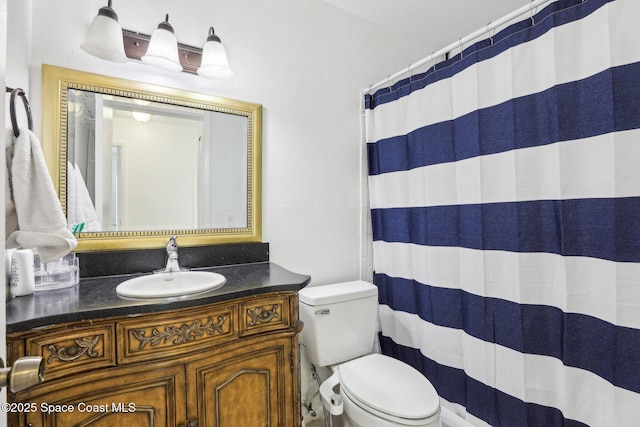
[228,357]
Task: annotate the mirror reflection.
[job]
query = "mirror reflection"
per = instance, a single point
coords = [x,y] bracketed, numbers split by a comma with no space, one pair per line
[134,163]
[141,165]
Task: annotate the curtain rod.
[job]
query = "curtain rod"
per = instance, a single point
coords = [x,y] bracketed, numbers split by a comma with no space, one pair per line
[492,25]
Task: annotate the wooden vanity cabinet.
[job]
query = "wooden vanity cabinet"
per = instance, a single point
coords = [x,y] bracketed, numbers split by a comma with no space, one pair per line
[227,364]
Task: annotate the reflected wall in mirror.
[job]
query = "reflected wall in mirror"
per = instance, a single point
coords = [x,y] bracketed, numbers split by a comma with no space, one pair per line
[134,163]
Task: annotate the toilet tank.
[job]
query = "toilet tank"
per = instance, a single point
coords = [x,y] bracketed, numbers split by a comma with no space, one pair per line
[340,321]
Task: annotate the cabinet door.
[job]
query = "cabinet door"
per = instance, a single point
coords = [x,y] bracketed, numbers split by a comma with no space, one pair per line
[249,386]
[120,397]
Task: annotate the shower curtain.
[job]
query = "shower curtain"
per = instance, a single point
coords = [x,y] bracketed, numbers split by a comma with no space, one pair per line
[504,189]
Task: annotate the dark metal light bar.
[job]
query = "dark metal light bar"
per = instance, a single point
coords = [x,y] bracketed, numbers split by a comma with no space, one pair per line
[135,46]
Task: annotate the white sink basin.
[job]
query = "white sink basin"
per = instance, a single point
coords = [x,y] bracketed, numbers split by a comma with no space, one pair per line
[166,285]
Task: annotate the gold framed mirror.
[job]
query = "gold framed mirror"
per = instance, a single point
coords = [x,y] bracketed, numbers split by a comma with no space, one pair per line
[134,163]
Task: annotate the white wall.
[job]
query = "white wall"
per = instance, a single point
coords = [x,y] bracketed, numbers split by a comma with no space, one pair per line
[18,43]
[304,61]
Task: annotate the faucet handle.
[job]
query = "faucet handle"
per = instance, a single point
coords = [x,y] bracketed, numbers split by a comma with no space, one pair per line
[172,245]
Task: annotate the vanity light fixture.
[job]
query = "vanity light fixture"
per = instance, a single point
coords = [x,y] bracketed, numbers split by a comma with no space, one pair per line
[214,64]
[163,48]
[105,36]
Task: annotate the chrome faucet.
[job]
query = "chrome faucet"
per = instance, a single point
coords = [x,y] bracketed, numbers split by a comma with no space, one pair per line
[172,258]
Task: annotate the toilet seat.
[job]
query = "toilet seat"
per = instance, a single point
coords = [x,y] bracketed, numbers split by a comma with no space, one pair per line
[389,389]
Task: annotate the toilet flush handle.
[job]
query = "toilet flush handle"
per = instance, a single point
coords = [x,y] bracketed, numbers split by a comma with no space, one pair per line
[330,400]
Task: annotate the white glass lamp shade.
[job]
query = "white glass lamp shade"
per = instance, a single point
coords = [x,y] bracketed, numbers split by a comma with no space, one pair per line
[214,63]
[141,117]
[104,40]
[163,48]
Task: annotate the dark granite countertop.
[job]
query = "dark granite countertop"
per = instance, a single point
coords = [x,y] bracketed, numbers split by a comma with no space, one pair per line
[95,297]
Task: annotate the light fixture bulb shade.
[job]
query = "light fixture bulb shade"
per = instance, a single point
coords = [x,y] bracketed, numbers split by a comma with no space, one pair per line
[105,40]
[141,117]
[163,49]
[214,64]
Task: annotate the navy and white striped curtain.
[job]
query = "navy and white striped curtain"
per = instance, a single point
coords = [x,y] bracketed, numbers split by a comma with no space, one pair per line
[505,202]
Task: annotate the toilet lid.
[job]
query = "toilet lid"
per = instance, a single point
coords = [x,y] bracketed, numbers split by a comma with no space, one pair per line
[389,386]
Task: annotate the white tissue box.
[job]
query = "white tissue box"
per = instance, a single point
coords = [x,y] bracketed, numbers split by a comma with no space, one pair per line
[57,274]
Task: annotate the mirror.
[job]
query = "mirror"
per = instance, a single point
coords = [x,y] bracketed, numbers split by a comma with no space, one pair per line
[134,163]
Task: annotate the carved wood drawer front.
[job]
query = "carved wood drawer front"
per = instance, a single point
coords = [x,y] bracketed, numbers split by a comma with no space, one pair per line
[264,314]
[175,333]
[73,351]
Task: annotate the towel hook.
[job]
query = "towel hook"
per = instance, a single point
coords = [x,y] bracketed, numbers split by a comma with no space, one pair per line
[12,109]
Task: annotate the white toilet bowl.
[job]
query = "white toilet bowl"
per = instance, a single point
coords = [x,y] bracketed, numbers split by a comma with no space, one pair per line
[379,391]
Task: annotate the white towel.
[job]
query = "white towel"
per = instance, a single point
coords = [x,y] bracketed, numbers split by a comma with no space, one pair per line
[34,217]
[80,207]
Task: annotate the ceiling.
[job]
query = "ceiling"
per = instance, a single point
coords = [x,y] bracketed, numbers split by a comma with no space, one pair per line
[433,23]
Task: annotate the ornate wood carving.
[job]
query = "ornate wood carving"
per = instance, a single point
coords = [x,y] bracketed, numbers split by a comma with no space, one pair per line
[202,379]
[84,346]
[260,315]
[184,333]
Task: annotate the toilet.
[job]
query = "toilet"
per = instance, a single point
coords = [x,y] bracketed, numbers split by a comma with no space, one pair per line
[340,325]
